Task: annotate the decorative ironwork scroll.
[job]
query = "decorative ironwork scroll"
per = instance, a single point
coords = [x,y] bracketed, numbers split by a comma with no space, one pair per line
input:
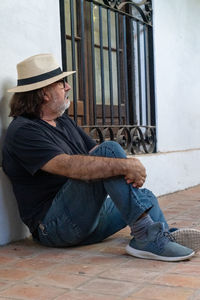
[112,3]
[144,7]
[134,140]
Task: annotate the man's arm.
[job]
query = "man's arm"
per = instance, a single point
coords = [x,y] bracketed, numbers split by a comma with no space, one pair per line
[84,167]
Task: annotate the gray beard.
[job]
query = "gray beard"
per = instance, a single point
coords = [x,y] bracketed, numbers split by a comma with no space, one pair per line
[68,104]
[65,108]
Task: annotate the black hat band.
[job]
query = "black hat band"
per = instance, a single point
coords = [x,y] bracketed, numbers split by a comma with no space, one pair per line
[39,78]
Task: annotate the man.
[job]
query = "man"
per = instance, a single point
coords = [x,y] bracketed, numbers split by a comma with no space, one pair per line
[62,179]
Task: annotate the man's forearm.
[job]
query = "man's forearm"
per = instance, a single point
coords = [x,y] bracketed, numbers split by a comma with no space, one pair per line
[85,167]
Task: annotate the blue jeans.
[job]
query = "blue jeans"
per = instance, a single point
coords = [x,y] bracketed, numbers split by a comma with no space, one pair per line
[83,213]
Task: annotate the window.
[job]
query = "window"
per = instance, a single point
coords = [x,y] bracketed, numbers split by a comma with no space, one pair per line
[109,43]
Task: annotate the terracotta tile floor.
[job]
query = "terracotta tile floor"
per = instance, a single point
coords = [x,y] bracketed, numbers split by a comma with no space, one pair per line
[103,271]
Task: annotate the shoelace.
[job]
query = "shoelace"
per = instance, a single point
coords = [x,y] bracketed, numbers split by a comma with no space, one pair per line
[162,238]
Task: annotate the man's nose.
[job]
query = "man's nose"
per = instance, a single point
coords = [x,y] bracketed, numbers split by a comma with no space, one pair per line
[67,86]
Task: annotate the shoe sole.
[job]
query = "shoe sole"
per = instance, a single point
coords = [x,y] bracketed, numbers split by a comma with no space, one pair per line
[187,237]
[149,255]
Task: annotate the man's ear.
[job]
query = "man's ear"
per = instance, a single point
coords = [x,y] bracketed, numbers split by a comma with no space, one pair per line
[45,94]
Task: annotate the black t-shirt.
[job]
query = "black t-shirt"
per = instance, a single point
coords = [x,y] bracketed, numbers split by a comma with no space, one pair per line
[28,145]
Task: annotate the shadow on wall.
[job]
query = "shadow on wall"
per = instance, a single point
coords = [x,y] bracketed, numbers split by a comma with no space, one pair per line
[11,226]
[4,112]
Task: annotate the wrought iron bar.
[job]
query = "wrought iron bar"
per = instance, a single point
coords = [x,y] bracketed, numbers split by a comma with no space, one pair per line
[63,35]
[93,63]
[83,61]
[131,67]
[139,72]
[73,59]
[102,64]
[146,77]
[110,66]
[118,68]
[125,70]
[151,76]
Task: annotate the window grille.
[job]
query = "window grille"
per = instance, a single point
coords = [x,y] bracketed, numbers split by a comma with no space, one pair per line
[110,45]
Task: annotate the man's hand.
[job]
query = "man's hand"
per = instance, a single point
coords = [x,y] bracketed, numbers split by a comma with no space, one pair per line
[136,173]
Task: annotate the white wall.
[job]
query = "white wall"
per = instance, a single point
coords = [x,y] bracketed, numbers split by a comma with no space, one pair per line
[26,29]
[177,63]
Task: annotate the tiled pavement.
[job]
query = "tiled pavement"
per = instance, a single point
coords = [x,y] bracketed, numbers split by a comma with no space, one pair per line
[103,271]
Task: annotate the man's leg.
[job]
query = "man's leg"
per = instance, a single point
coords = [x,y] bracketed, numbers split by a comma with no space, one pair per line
[141,196]
[77,208]
[73,215]
[109,222]
[155,212]
[75,212]
[130,201]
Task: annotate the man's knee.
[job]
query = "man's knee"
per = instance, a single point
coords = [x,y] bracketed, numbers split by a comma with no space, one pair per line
[112,149]
[113,145]
[110,144]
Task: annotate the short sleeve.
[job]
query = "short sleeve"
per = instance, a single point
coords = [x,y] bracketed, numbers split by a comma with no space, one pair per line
[36,145]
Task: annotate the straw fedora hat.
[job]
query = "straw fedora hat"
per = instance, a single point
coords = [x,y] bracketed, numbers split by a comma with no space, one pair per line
[38,71]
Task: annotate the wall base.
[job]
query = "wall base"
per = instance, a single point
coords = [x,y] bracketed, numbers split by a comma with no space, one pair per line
[171,171]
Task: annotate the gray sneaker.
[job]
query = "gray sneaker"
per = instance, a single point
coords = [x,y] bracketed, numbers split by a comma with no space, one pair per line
[187,237]
[159,246]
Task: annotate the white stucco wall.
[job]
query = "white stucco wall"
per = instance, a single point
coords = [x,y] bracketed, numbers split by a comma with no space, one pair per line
[177,60]
[26,29]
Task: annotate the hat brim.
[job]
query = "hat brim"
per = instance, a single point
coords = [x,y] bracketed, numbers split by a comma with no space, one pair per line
[40,84]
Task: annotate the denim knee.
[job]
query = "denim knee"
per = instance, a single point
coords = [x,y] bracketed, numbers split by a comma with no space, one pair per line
[109,149]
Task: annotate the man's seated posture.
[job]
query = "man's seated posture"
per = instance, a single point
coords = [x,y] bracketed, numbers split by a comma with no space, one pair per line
[62,179]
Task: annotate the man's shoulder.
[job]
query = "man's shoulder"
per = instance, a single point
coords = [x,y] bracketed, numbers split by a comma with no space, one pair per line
[20,122]
[20,126]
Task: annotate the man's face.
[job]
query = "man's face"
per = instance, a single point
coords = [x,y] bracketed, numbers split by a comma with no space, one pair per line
[58,97]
